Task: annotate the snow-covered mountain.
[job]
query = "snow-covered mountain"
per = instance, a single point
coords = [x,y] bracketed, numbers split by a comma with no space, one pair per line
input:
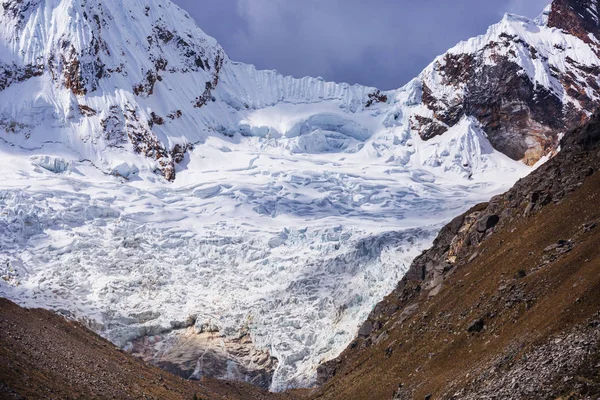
[222,220]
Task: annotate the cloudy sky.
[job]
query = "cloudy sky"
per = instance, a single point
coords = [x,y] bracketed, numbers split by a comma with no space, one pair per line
[382,43]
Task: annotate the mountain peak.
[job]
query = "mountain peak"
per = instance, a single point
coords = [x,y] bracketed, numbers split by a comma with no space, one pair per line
[578,17]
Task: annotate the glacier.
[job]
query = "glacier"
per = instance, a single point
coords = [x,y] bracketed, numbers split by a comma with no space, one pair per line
[163,183]
[295,248]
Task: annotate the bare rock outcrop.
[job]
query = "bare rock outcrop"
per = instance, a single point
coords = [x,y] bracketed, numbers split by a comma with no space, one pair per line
[522,118]
[194,355]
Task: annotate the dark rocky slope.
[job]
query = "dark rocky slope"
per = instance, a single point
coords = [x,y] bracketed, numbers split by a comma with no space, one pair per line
[505,305]
[44,356]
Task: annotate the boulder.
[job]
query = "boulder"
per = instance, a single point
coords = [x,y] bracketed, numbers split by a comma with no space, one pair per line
[487,222]
[366,329]
[476,326]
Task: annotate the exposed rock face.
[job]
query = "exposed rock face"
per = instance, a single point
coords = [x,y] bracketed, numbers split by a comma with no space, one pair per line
[18,9]
[79,59]
[458,241]
[193,355]
[10,74]
[578,17]
[210,85]
[501,83]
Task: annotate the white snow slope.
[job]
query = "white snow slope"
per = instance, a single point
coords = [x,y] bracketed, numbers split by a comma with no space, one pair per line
[298,209]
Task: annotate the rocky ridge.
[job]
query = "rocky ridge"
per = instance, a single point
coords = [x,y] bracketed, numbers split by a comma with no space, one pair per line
[192,355]
[525,94]
[524,81]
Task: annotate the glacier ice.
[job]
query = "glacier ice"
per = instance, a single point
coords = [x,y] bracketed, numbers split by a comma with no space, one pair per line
[50,163]
[294,248]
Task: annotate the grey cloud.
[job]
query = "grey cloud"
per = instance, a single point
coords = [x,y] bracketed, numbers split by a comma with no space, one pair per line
[383,43]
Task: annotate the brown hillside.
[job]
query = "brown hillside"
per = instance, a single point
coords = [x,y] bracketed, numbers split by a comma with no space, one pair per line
[44,356]
[506,305]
